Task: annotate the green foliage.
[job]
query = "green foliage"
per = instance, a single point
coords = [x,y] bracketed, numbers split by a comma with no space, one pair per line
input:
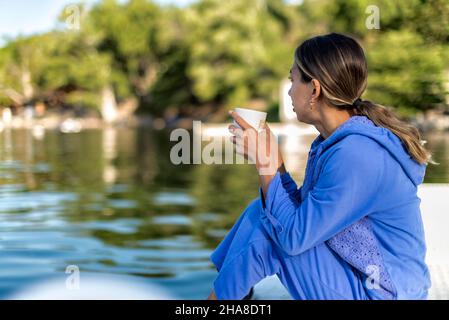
[237,49]
[407,56]
[223,53]
[408,77]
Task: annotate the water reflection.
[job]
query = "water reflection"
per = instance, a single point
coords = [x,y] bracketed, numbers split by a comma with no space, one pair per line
[109,149]
[110,202]
[438,144]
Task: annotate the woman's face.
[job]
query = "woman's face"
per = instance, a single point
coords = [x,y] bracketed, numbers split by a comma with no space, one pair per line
[301,94]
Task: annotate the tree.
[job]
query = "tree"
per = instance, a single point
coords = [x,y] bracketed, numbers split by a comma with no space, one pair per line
[406,56]
[237,49]
[410,77]
[221,54]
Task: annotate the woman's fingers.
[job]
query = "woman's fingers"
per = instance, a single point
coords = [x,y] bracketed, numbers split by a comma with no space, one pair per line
[240,121]
[266,127]
[236,140]
[236,131]
[259,147]
[240,146]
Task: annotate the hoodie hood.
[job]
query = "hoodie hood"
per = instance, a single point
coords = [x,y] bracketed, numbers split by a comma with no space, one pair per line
[362,125]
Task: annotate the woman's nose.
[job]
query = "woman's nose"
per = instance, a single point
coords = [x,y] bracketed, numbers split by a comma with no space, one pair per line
[290,91]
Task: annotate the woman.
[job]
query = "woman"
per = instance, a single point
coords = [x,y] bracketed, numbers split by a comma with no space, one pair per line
[353,230]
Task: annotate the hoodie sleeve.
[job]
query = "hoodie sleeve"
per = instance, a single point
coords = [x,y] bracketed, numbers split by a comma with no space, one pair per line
[290,187]
[344,193]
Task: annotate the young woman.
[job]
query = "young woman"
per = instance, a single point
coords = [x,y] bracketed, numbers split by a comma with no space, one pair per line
[353,230]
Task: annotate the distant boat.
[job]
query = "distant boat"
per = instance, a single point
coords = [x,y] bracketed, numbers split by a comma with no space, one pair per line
[38,132]
[70,126]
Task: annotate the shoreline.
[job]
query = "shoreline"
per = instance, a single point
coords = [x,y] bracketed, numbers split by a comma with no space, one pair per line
[434,122]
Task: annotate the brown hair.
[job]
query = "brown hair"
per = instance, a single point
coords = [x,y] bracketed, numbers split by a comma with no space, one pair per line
[339,64]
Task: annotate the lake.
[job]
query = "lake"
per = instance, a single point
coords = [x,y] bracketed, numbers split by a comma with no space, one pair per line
[110,202]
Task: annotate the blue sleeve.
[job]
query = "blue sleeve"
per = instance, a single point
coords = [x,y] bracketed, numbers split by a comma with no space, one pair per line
[344,193]
[290,187]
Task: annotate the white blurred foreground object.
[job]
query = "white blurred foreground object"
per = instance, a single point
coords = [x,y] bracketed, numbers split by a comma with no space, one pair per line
[92,287]
[434,208]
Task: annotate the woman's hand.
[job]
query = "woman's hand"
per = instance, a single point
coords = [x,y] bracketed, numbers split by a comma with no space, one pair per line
[259,147]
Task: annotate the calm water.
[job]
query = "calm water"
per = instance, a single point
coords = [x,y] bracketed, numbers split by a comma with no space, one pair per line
[110,202]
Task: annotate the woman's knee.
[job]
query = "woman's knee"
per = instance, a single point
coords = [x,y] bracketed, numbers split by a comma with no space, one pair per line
[242,228]
[249,228]
[251,215]
[253,209]
[247,214]
[254,205]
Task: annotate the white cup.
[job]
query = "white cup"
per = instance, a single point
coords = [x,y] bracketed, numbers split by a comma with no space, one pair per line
[255,119]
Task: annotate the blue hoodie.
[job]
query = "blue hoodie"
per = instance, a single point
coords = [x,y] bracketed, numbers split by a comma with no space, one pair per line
[359,196]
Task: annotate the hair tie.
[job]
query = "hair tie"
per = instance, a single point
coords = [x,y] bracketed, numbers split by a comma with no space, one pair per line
[357,102]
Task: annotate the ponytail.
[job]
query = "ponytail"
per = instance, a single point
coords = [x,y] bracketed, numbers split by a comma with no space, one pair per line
[339,64]
[409,135]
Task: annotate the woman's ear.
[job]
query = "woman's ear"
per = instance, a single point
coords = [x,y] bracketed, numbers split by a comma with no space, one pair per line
[316,87]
